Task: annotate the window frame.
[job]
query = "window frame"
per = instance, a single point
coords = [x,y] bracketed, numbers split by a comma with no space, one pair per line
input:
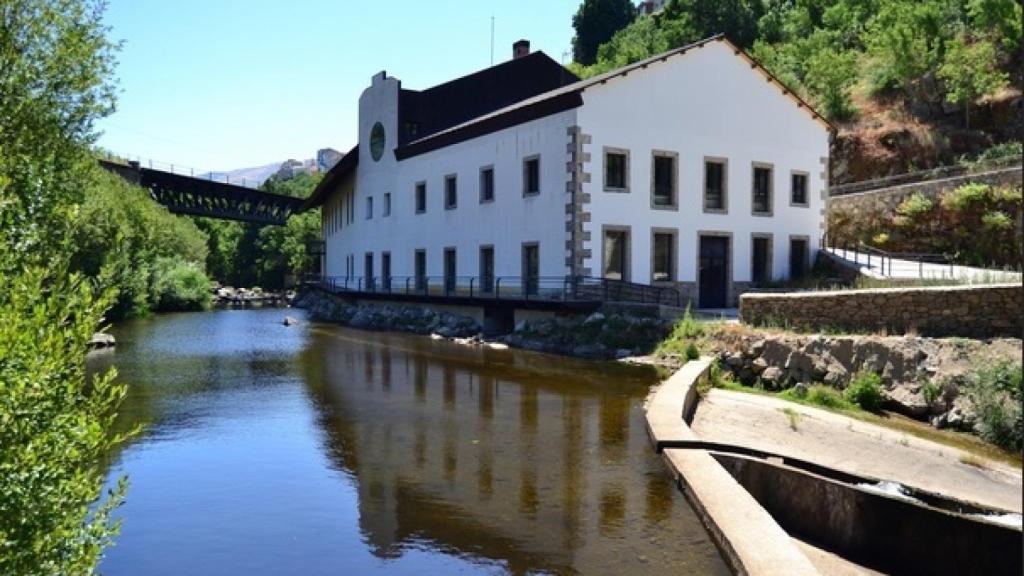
[484,170]
[807,189]
[754,167]
[385,209]
[610,151]
[724,163]
[452,202]
[627,263]
[770,265]
[420,192]
[526,175]
[369,208]
[674,193]
[673,257]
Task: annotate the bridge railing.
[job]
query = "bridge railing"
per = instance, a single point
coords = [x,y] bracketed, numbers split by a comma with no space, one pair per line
[184,170]
[523,288]
[924,175]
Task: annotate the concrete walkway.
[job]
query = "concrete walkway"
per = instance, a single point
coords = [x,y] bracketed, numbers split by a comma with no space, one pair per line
[854,446]
[872,265]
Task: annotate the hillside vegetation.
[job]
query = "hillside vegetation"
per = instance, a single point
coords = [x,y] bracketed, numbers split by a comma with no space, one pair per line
[909,83]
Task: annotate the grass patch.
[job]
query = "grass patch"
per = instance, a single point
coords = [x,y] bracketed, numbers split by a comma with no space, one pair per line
[793,416]
[681,341]
[972,460]
[865,390]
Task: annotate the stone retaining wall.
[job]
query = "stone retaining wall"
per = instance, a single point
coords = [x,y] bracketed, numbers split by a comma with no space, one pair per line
[971,311]
[886,200]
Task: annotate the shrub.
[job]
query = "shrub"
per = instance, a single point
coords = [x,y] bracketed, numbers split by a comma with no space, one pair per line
[692,353]
[995,390]
[179,285]
[865,391]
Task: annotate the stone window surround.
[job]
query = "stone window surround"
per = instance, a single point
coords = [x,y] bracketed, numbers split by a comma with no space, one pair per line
[386,208]
[655,154]
[627,249]
[725,184]
[494,184]
[451,178]
[807,258]
[769,274]
[729,288]
[771,188]
[369,207]
[417,188]
[674,271]
[807,189]
[604,169]
[526,180]
[480,267]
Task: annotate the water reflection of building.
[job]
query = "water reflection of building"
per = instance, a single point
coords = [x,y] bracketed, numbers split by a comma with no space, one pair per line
[540,471]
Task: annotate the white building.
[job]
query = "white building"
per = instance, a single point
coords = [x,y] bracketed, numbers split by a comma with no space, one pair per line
[694,169]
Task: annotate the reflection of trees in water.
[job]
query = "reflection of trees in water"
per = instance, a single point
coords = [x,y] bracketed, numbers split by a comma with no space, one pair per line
[494,456]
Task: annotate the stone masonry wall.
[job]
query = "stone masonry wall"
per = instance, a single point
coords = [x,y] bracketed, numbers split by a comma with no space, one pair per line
[970,311]
[886,200]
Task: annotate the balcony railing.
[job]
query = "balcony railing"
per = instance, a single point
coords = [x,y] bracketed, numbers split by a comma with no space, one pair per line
[522,288]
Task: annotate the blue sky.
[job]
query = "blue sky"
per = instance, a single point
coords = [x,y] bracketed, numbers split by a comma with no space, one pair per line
[223,84]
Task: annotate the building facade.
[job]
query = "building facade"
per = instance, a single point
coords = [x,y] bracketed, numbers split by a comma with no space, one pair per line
[693,169]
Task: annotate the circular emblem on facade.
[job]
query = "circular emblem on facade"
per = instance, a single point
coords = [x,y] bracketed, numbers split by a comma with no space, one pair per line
[377,140]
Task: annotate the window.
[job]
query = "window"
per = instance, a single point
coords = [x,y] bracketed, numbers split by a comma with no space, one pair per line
[385,271]
[531,268]
[761,265]
[798,183]
[368,280]
[797,257]
[451,192]
[616,170]
[421,197]
[486,269]
[449,270]
[531,176]
[615,265]
[762,200]
[663,180]
[663,269]
[487,184]
[420,265]
[714,186]
[386,210]
[369,207]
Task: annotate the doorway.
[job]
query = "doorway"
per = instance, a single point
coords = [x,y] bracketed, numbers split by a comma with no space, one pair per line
[713,274]
[449,270]
[797,257]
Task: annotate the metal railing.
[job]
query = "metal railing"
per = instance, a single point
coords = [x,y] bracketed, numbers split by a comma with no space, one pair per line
[924,175]
[536,288]
[907,264]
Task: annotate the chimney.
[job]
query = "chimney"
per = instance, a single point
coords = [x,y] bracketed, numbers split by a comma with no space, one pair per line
[520,49]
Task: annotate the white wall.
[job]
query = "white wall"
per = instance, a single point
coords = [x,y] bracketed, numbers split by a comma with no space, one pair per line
[506,223]
[706,102]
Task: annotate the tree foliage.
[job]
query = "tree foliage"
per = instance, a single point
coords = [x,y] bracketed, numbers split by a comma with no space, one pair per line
[825,49]
[595,22]
[55,81]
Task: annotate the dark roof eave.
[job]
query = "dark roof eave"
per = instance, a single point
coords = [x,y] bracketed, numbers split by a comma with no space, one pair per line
[512,117]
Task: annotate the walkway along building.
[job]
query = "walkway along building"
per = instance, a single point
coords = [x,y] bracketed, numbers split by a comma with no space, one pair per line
[694,169]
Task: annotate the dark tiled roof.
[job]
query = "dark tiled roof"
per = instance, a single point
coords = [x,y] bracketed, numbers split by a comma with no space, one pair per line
[460,100]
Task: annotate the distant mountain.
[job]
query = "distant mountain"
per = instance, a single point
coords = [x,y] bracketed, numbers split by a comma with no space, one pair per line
[250,176]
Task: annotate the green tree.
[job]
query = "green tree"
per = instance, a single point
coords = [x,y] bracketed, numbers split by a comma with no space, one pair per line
[904,41]
[639,40]
[970,71]
[55,81]
[595,22]
[1002,17]
[830,75]
[687,21]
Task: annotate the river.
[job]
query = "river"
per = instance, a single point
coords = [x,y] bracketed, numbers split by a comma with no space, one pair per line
[316,449]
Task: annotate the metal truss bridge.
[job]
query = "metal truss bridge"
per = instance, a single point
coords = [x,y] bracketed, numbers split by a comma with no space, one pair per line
[198,196]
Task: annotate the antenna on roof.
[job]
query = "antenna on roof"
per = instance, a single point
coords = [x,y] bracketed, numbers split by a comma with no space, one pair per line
[492,40]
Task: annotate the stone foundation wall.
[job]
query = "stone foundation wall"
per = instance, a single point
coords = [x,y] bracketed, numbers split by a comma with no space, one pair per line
[971,311]
[886,200]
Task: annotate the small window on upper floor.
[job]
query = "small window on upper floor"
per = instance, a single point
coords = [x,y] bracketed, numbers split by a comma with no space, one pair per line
[798,196]
[715,199]
[369,207]
[663,184]
[616,170]
[531,176]
[762,193]
[421,197]
[451,192]
[486,184]
[386,210]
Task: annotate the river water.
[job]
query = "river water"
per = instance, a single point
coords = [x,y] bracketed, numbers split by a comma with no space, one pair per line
[315,449]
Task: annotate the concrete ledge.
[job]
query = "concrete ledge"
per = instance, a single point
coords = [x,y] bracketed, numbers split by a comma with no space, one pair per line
[749,538]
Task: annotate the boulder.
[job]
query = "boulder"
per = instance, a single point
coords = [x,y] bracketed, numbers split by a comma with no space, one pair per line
[759,365]
[102,340]
[289,321]
[773,375]
[907,399]
[595,317]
